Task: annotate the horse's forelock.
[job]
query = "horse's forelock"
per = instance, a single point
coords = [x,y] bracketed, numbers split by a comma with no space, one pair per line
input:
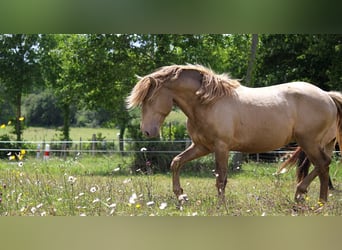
[139,92]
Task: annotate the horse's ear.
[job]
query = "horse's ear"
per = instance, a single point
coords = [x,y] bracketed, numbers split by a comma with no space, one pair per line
[152,81]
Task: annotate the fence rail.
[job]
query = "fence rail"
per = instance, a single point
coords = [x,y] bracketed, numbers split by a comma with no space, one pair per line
[93,147]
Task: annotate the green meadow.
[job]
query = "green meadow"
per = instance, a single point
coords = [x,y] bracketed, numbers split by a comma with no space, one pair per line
[105,186]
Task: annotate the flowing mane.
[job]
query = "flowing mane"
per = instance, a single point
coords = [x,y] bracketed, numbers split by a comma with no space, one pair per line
[213,86]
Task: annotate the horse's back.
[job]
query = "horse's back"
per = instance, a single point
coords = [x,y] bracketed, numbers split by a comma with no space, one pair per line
[269,117]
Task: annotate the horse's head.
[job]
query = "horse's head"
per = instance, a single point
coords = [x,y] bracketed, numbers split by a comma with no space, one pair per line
[154,111]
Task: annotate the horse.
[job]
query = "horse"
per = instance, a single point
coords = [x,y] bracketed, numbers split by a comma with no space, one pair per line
[223,115]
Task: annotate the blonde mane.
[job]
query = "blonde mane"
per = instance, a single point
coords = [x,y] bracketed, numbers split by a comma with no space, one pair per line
[213,86]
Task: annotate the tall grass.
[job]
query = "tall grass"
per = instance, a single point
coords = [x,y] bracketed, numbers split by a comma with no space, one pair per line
[104,186]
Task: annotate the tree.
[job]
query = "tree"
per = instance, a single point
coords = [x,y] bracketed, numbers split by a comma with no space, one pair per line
[19,57]
[63,71]
[313,58]
[254,45]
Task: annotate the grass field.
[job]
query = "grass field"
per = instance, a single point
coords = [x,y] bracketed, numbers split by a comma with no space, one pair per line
[104,186]
[48,134]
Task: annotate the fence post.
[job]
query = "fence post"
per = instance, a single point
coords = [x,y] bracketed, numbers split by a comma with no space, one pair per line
[38,151]
[93,144]
[47,152]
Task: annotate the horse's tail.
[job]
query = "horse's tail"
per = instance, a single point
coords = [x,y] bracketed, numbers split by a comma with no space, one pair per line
[298,158]
[337,98]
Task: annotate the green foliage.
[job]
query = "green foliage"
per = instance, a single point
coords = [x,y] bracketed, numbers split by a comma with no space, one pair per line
[148,154]
[20,70]
[313,58]
[42,109]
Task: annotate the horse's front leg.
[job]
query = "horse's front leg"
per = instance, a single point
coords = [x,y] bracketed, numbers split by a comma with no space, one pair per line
[221,160]
[192,152]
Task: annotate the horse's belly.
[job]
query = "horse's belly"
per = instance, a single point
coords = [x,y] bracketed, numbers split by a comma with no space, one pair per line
[263,139]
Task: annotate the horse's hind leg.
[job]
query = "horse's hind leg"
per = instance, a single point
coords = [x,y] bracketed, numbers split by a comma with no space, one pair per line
[321,161]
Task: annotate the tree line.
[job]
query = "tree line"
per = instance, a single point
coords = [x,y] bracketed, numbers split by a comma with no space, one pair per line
[59,76]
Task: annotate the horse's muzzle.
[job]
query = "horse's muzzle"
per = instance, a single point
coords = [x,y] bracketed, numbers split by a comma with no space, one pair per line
[153,132]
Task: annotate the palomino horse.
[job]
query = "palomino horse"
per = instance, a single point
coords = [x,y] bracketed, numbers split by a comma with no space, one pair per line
[223,115]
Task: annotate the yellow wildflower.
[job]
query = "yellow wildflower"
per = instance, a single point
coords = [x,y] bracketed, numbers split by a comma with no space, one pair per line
[3,126]
[21,118]
[12,157]
[23,151]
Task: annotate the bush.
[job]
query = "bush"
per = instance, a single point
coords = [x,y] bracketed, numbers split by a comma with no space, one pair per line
[8,145]
[159,153]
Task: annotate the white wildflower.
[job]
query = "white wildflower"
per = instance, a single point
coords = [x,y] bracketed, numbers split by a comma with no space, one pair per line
[163,205]
[112,211]
[71,179]
[150,203]
[33,209]
[96,200]
[93,189]
[112,205]
[143,149]
[283,171]
[126,181]
[133,198]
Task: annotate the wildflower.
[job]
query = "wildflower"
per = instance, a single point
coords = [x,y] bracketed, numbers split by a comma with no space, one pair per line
[133,198]
[163,205]
[143,149]
[21,118]
[3,126]
[22,151]
[126,181]
[263,214]
[116,169]
[33,209]
[111,211]
[150,203]
[320,204]
[9,122]
[11,157]
[43,213]
[138,206]
[71,179]
[39,205]
[20,164]
[83,214]
[194,214]
[96,200]
[283,171]
[93,189]
[113,205]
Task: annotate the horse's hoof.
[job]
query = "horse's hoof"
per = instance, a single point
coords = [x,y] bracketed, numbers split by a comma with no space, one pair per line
[300,198]
[183,198]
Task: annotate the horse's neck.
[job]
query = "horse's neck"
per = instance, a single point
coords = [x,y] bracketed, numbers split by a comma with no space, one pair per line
[187,105]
